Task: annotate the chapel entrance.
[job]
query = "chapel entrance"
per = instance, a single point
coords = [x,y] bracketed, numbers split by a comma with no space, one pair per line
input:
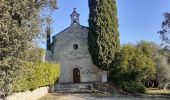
[76,75]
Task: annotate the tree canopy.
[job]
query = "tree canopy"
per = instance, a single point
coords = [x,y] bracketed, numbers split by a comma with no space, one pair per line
[131,64]
[165,32]
[20,24]
[160,57]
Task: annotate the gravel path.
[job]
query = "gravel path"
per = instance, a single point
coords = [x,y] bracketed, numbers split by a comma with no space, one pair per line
[90,97]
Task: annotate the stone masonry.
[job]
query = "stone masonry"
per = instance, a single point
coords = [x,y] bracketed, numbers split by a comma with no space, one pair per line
[70,50]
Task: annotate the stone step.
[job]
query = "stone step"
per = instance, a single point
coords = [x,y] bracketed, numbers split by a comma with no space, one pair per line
[74,88]
[78,86]
[75,91]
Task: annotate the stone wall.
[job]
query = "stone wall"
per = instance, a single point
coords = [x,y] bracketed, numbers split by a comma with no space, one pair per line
[69,58]
[29,95]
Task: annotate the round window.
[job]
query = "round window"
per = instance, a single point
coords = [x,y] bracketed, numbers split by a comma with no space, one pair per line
[75,46]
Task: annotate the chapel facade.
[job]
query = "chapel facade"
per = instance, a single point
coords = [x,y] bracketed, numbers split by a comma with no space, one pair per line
[69,48]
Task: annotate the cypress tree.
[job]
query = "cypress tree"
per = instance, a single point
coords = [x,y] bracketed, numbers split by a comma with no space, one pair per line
[103,37]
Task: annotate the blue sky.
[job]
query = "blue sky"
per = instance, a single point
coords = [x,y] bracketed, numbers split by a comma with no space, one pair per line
[138,19]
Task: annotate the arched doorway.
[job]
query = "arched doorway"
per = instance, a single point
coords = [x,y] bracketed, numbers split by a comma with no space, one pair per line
[76,75]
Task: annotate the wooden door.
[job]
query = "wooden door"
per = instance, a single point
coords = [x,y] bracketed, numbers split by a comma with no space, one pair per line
[76,75]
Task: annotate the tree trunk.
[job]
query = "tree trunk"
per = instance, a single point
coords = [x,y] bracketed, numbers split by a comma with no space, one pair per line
[165,86]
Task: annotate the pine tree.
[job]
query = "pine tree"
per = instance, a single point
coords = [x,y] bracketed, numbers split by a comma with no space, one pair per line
[103,37]
[165,32]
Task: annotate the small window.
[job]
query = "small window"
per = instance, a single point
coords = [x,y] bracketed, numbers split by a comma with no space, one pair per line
[75,46]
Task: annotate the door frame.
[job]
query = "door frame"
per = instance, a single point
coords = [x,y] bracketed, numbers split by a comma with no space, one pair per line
[76,75]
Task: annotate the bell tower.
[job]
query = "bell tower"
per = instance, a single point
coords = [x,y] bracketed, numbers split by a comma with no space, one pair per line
[75,17]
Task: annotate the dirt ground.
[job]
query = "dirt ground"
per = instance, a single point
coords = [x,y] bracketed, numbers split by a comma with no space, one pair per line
[57,96]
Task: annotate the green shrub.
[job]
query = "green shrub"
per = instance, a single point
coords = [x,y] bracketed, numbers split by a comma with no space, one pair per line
[130,64]
[35,75]
[134,87]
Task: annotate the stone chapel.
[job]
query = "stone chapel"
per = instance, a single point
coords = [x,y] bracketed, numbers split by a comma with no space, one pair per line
[69,48]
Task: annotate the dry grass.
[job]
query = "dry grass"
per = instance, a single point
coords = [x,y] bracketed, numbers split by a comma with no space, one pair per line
[156,91]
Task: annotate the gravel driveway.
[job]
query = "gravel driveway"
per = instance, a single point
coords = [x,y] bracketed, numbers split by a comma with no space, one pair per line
[91,97]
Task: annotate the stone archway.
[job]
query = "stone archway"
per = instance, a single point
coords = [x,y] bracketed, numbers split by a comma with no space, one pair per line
[76,75]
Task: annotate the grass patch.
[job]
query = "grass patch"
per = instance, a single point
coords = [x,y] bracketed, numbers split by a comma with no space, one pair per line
[156,91]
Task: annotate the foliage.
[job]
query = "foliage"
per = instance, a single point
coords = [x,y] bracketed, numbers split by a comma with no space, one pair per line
[130,64]
[163,71]
[165,52]
[164,65]
[49,44]
[8,72]
[149,49]
[20,25]
[160,57]
[36,54]
[164,33]
[103,37]
[35,75]
[134,87]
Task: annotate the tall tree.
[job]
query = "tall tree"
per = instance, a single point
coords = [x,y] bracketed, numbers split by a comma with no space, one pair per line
[163,71]
[165,32]
[103,37]
[20,24]
[160,57]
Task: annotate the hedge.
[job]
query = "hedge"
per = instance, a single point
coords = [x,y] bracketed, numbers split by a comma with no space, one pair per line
[35,75]
[133,87]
